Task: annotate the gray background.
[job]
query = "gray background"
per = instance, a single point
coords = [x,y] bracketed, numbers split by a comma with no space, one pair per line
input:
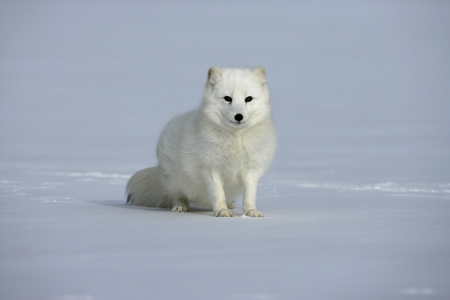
[356,202]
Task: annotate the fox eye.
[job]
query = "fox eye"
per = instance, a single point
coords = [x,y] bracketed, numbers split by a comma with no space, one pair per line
[228,99]
[248,99]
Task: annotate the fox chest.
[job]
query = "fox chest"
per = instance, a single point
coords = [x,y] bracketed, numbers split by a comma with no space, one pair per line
[231,157]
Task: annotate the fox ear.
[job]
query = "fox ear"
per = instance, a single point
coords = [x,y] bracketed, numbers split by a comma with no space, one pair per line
[213,75]
[261,73]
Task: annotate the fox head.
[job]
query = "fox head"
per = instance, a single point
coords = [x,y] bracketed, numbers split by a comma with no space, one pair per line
[236,98]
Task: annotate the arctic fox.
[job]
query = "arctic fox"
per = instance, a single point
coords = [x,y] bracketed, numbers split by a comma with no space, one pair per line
[209,156]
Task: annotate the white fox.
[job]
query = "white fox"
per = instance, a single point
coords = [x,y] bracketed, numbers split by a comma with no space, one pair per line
[208,156]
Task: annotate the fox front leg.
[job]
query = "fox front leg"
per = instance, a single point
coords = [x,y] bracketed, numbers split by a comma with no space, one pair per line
[214,185]
[250,187]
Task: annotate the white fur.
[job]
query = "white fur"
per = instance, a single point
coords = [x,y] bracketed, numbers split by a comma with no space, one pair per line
[206,156]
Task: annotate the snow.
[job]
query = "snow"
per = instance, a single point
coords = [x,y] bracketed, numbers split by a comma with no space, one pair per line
[357,202]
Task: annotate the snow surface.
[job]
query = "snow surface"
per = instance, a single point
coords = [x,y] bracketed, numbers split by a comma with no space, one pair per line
[357,202]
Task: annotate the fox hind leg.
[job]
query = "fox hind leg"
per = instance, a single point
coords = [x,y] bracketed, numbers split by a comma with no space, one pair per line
[180,204]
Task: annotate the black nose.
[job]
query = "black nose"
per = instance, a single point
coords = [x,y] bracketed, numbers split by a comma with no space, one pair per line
[238,117]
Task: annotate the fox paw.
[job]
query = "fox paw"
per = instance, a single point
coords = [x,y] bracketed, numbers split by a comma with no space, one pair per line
[180,208]
[224,213]
[254,213]
[231,205]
